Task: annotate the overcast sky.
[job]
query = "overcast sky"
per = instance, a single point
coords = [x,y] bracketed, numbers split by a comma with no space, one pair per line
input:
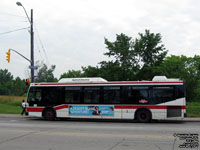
[70,33]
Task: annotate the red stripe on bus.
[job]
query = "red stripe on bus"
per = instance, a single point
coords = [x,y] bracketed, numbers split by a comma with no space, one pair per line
[35,109]
[61,107]
[148,106]
[139,106]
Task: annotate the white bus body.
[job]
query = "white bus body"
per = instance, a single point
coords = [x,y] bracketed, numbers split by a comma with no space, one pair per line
[160,98]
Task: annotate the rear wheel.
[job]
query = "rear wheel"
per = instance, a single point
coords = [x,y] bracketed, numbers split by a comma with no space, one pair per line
[49,115]
[143,116]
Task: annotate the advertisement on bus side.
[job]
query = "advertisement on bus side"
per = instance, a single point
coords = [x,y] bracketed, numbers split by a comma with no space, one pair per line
[88,110]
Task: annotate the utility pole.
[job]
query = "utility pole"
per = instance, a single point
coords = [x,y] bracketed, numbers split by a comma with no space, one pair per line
[32,39]
[32,47]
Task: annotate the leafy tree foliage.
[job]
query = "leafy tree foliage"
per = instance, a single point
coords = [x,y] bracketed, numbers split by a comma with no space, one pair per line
[72,74]
[125,64]
[5,82]
[135,59]
[122,51]
[90,71]
[19,87]
[45,74]
[149,49]
[151,53]
[11,86]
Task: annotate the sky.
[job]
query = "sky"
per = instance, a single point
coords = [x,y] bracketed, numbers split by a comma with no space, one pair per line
[70,34]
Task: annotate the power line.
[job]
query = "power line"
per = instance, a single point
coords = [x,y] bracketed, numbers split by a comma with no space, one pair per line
[13,31]
[42,46]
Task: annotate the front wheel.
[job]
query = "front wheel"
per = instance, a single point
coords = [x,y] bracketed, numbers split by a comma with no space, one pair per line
[49,115]
[143,116]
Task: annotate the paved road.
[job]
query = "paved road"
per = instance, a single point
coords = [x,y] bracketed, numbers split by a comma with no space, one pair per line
[26,133]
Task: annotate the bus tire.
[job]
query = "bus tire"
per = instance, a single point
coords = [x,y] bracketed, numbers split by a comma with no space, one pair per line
[49,114]
[143,115]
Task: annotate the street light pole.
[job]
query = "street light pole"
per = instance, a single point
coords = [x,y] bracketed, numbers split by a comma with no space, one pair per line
[32,48]
[31,39]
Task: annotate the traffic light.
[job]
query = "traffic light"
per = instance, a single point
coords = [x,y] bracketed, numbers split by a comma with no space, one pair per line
[8,56]
[27,81]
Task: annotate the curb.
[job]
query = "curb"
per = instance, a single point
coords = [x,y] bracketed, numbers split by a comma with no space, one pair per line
[191,119]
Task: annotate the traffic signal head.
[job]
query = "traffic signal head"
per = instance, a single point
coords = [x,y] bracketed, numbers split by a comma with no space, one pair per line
[8,56]
[27,81]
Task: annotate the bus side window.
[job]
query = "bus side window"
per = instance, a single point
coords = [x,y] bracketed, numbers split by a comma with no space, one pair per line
[136,95]
[72,95]
[163,94]
[111,95]
[51,95]
[180,91]
[92,95]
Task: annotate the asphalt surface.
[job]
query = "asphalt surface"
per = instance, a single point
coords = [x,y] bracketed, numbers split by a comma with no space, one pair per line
[20,116]
[30,133]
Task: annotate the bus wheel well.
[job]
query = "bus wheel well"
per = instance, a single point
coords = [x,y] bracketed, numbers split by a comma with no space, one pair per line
[49,113]
[143,115]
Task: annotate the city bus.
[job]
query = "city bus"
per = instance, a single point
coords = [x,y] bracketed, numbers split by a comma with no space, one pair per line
[97,98]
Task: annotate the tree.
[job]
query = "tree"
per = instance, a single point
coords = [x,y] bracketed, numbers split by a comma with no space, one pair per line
[72,74]
[45,74]
[11,86]
[149,49]
[112,71]
[150,53]
[125,63]
[6,82]
[19,87]
[91,71]
[122,51]
[135,58]
[5,76]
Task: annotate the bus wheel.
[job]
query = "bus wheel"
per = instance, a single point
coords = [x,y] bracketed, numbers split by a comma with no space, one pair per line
[143,116]
[49,115]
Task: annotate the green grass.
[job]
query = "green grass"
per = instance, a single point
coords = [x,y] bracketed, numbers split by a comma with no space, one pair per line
[11,104]
[10,109]
[193,109]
